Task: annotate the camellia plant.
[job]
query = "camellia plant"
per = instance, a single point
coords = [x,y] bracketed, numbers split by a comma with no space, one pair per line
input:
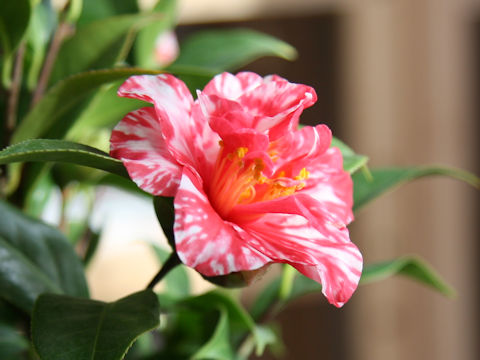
[236,182]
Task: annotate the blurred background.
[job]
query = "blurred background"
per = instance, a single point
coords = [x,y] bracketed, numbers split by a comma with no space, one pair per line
[398,81]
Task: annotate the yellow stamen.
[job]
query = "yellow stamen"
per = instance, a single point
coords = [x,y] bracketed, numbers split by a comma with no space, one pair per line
[302,175]
[241,152]
[239,181]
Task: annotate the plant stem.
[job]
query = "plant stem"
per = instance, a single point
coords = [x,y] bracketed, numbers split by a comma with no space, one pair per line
[171,262]
[63,30]
[15,90]
[288,276]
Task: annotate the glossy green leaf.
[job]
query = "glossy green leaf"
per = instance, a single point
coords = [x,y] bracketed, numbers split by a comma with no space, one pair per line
[61,151]
[71,328]
[96,45]
[63,97]
[352,162]
[218,347]
[177,281]
[35,258]
[214,51]
[146,38]
[382,180]
[230,49]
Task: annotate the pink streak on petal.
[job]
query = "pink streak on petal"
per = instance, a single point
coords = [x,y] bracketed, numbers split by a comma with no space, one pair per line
[329,258]
[331,186]
[277,104]
[188,137]
[298,149]
[137,141]
[203,240]
[336,289]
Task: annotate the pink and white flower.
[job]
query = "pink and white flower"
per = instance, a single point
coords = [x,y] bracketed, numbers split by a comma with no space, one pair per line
[250,189]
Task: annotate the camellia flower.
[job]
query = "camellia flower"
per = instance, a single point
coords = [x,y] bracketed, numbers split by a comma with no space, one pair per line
[250,188]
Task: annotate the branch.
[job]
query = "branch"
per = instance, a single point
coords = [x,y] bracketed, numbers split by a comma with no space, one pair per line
[63,30]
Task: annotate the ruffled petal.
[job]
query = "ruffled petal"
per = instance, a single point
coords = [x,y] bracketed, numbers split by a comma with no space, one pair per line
[277,105]
[231,86]
[137,141]
[329,258]
[271,105]
[205,241]
[188,136]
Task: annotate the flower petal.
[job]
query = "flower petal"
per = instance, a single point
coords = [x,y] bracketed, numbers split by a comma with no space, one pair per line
[331,186]
[278,104]
[230,86]
[205,241]
[299,149]
[272,103]
[188,137]
[329,258]
[137,141]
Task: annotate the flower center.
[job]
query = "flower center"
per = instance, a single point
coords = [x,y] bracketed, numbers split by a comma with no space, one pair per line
[238,181]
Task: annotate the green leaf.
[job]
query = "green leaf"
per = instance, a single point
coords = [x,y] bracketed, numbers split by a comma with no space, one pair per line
[266,300]
[410,266]
[212,51]
[230,49]
[35,258]
[93,241]
[61,151]
[218,347]
[239,319]
[14,19]
[351,161]
[71,328]
[96,45]
[12,343]
[166,216]
[272,294]
[100,9]
[39,195]
[263,336]
[105,109]
[366,189]
[63,97]
[177,281]
[146,38]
